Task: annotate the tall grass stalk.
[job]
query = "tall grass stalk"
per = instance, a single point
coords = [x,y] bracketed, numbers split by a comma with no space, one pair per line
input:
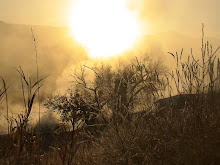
[18,135]
[196,75]
[37,68]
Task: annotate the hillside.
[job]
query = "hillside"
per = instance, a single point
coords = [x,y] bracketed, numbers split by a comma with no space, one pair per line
[56,51]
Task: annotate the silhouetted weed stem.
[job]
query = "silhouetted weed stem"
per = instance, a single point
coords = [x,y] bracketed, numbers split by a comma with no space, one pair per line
[39,111]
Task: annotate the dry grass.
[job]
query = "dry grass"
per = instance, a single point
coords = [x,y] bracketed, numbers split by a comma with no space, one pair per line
[120,121]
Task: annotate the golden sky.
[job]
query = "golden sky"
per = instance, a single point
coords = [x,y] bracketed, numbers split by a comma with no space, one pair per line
[162,15]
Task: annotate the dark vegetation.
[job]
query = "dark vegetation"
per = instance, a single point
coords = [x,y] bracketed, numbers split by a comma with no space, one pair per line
[125,115]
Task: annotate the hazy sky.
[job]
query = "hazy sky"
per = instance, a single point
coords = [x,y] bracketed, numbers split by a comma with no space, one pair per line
[181,15]
[40,12]
[161,15]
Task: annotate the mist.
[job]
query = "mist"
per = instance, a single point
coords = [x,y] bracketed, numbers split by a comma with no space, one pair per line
[56,51]
[155,102]
[166,27]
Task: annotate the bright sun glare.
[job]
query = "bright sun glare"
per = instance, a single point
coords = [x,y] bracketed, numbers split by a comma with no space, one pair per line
[104,27]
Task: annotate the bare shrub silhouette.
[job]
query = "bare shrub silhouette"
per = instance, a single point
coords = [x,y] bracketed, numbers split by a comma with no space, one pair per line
[106,108]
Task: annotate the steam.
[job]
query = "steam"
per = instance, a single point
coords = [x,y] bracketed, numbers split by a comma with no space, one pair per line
[56,52]
[168,26]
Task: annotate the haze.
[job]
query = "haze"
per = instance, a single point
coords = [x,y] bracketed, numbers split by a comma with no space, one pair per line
[165,26]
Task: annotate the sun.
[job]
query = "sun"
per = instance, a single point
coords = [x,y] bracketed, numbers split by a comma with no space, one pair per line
[104,27]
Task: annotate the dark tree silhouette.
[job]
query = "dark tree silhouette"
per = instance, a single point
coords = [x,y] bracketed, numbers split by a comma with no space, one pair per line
[113,94]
